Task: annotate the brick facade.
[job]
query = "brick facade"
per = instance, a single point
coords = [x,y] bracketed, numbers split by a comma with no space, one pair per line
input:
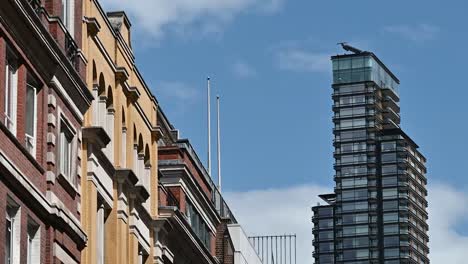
[26,179]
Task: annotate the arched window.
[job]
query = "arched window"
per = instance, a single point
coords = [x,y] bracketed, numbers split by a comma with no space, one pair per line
[147,164]
[123,151]
[109,124]
[141,161]
[95,93]
[99,103]
[135,150]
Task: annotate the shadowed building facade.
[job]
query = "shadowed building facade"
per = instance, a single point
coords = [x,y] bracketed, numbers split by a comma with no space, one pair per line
[378,211]
[43,100]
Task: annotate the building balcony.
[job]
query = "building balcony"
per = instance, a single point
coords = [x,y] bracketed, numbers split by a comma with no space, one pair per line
[390,124]
[391,114]
[339,116]
[356,162]
[60,34]
[368,102]
[180,231]
[389,102]
[337,93]
[368,149]
[71,50]
[389,92]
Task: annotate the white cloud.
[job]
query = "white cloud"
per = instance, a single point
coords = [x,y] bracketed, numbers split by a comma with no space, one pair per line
[279,212]
[447,210]
[157,16]
[243,70]
[302,61]
[416,33]
[287,210]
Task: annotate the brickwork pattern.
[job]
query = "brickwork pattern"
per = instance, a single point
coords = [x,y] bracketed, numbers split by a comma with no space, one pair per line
[37,168]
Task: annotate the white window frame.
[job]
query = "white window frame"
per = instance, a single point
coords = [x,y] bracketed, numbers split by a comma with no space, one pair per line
[14,216]
[9,253]
[11,92]
[68,7]
[100,224]
[65,155]
[31,140]
[69,175]
[33,243]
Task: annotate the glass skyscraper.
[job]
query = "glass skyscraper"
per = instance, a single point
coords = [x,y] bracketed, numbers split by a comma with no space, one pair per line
[378,211]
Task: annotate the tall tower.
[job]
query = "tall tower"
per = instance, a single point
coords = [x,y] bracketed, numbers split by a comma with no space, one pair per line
[377,213]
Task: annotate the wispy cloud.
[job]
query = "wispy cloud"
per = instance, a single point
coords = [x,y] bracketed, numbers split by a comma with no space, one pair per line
[177,90]
[156,17]
[302,61]
[243,70]
[179,96]
[415,33]
[287,210]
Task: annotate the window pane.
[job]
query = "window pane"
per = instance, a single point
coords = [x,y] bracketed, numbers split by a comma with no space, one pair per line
[325,235]
[392,252]
[30,110]
[390,217]
[390,229]
[326,223]
[66,139]
[8,236]
[326,211]
[389,169]
[390,205]
[392,241]
[388,146]
[390,193]
[389,181]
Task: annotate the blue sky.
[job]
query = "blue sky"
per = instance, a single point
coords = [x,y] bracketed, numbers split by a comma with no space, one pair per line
[269,60]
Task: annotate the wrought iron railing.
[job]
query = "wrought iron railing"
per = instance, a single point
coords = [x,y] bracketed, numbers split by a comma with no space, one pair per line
[71,49]
[36,5]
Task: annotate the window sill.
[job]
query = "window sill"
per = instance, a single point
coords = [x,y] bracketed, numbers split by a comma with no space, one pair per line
[22,148]
[67,185]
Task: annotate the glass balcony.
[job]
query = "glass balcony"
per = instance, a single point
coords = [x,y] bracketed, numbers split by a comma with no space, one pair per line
[353,69]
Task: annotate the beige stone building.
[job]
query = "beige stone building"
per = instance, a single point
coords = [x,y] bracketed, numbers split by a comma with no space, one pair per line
[119,141]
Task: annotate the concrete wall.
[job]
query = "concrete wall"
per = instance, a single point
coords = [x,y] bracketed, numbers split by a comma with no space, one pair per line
[244,253]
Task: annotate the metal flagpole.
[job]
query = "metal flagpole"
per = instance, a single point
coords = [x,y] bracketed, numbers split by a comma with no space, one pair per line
[219,144]
[208,88]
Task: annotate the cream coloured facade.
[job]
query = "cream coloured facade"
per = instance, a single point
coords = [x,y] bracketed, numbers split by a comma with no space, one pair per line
[120,137]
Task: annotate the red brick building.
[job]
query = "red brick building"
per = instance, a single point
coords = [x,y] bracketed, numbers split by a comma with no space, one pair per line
[43,98]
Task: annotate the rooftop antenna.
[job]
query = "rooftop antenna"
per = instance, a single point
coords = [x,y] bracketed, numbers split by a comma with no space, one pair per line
[350,48]
[209,124]
[219,144]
